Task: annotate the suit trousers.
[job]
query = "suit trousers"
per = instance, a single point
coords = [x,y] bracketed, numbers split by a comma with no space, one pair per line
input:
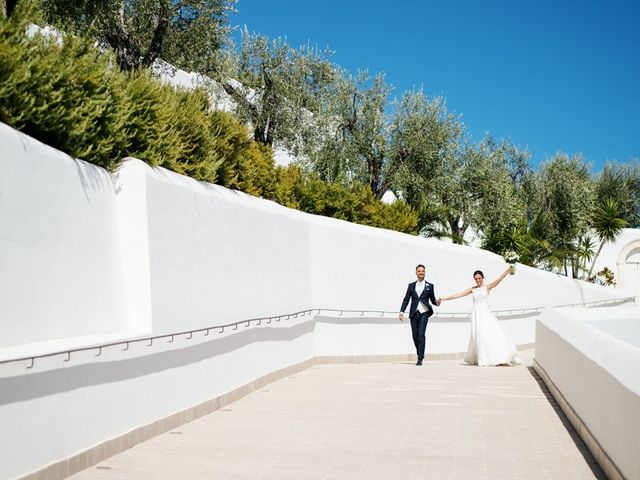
[418,329]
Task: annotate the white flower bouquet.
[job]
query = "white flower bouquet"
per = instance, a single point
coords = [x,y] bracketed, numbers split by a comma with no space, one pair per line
[511,258]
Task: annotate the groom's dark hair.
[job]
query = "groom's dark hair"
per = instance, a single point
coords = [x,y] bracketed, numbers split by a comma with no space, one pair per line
[420,265]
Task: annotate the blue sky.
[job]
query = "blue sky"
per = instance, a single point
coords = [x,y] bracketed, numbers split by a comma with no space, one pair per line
[549,75]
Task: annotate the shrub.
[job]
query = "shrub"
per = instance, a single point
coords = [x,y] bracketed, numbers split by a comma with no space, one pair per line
[61,93]
[246,165]
[296,188]
[71,96]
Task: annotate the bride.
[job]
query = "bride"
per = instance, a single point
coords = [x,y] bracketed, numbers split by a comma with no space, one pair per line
[488,344]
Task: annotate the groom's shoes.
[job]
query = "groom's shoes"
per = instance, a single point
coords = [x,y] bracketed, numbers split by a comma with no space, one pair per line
[419,362]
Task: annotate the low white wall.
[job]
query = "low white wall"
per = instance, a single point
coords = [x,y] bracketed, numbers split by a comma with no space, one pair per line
[344,335]
[597,375]
[61,408]
[56,407]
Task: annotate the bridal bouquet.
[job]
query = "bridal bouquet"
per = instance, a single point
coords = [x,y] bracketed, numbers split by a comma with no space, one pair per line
[511,258]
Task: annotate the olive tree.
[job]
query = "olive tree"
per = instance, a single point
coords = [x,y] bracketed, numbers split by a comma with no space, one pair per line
[621,181]
[277,89]
[470,185]
[368,138]
[565,197]
[186,33]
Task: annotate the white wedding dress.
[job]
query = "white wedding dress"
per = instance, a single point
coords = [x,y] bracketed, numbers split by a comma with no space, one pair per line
[488,344]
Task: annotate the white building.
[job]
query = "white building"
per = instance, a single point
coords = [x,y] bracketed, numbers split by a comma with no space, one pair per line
[622,257]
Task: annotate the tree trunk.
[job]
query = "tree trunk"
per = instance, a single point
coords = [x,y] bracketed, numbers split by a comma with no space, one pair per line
[259,135]
[158,37]
[593,263]
[385,183]
[128,54]
[9,6]
[373,180]
[458,229]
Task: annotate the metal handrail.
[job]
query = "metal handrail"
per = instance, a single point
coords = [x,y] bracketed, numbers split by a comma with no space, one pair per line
[278,318]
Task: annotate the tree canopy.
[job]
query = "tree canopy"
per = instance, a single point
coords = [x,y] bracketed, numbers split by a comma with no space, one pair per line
[186,33]
[277,88]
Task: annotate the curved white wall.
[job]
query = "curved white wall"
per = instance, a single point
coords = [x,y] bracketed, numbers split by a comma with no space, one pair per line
[597,375]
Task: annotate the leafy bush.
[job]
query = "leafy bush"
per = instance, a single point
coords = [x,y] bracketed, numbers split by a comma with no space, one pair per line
[61,93]
[296,188]
[247,165]
[69,95]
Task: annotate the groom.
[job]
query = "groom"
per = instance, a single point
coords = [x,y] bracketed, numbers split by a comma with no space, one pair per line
[420,292]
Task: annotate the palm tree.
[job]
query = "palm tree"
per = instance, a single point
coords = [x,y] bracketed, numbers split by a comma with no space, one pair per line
[607,225]
[585,251]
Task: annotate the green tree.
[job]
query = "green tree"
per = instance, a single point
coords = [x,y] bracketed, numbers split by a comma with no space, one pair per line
[356,143]
[585,250]
[186,33]
[622,182]
[468,185]
[277,89]
[305,191]
[565,195]
[607,224]
[369,140]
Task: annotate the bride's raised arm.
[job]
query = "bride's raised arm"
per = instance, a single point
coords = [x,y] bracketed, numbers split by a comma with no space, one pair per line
[495,283]
[464,293]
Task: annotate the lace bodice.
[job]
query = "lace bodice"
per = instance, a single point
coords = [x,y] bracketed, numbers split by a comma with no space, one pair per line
[480,295]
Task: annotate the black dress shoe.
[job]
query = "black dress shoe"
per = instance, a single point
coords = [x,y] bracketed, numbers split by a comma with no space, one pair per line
[419,362]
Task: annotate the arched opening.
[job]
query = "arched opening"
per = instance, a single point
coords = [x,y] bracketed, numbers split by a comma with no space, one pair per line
[629,268]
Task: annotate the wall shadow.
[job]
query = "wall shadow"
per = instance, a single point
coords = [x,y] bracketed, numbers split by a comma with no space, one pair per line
[577,439]
[27,387]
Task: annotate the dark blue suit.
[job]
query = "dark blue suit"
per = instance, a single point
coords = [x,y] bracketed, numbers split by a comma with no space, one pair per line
[419,320]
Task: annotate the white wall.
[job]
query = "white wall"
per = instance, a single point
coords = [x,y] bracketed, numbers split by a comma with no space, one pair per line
[61,408]
[622,257]
[611,251]
[597,374]
[60,261]
[219,256]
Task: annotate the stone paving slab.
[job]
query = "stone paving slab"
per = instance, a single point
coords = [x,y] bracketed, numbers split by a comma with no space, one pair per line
[444,420]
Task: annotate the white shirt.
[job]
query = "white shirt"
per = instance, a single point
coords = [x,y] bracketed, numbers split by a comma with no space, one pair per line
[419,289]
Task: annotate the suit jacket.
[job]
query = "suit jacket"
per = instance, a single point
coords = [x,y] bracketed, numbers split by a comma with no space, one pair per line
[428,295]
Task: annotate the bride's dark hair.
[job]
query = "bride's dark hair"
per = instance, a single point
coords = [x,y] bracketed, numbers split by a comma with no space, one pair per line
[478,272]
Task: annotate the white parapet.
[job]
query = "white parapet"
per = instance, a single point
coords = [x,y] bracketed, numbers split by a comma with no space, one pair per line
[590,359]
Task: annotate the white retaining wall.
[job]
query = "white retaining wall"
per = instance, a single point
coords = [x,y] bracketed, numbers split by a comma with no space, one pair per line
[61,265]
[597,375]
[87,257]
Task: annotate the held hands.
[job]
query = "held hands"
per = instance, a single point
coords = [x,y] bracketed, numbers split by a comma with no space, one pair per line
[438,301]
[401,316]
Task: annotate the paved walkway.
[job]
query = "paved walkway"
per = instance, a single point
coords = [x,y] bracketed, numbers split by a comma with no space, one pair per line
[372,421]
